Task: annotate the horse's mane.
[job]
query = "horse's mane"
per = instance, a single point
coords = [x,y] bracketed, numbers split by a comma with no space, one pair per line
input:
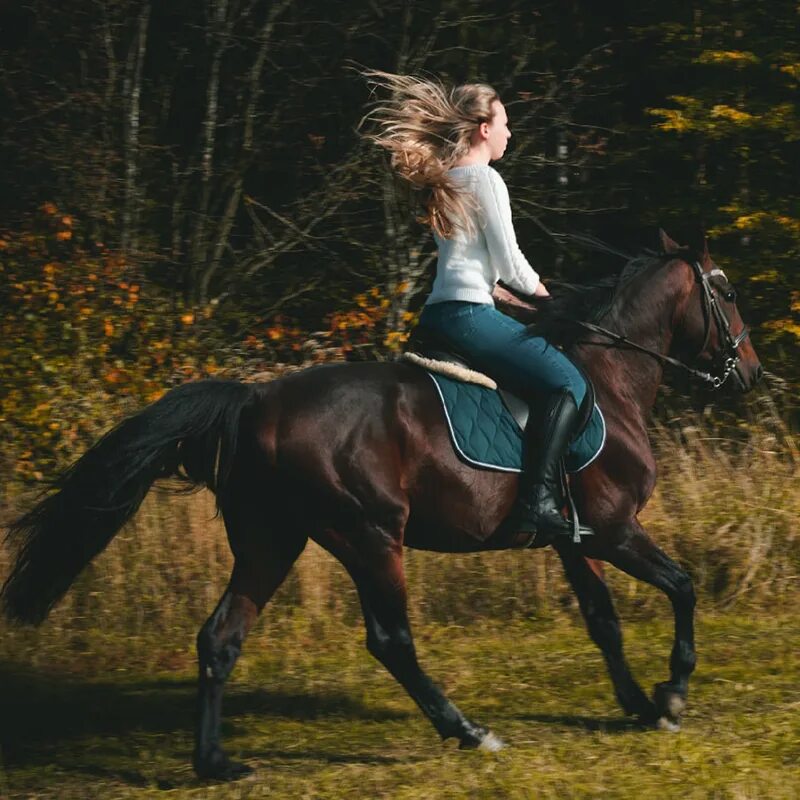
[589,302]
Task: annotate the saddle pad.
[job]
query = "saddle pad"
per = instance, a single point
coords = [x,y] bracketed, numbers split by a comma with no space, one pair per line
[485,434]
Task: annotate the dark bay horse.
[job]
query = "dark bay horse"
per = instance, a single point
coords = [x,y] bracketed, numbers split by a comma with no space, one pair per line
[358,458]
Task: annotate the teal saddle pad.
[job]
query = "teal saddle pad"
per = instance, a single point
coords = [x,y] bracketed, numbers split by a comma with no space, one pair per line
[485,433]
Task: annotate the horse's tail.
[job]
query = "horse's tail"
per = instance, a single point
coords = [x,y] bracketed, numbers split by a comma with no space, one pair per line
[194,427]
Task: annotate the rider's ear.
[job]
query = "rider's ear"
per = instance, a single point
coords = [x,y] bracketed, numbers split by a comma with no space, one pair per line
[667,244]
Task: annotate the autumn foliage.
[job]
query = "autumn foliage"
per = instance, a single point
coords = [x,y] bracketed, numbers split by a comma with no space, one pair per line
[82,337]
[86,336]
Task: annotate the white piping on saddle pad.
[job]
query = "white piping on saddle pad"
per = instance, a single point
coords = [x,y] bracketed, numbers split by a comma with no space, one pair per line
[454,371]
[599,449]
[498,467]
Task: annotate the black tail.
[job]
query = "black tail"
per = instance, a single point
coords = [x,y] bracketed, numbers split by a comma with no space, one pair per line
[194,426]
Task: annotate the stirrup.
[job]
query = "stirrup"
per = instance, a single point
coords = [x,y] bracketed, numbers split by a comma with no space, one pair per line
[578,530]
[531,539]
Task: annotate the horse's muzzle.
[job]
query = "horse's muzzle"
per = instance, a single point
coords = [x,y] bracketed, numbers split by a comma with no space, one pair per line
[747,378]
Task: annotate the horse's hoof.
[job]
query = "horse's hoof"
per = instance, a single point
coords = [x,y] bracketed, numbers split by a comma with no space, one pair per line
[670,705]
[491,743]
[479,738]
[218,767]
[667,724]
[675,705]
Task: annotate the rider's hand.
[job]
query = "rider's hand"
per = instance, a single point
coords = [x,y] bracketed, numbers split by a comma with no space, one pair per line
[541,291]
[505,297]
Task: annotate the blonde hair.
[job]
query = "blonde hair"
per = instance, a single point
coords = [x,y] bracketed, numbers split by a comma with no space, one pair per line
[427,128]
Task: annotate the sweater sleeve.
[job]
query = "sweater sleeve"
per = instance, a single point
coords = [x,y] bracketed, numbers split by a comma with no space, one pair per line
[507,259]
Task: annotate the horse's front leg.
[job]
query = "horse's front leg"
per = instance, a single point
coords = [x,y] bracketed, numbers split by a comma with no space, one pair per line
[635,553]
[603,626]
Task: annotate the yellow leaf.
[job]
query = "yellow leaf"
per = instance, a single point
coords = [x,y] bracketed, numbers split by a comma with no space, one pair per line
[733,114]
[737,57]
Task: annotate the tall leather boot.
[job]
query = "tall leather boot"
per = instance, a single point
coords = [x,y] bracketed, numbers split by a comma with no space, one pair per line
[539,499]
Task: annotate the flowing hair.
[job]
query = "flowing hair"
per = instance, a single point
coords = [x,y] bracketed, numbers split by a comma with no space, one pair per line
[427,127]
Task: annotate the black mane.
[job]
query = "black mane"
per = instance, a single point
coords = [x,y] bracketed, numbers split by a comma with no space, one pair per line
[588,302]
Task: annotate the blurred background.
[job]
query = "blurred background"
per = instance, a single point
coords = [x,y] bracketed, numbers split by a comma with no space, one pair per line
[185,194]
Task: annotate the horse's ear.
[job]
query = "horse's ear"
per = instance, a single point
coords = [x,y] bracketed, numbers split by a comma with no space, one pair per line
[698,243]
[667,244]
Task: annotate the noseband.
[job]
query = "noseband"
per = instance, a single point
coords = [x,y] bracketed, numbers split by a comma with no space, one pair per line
[729,344]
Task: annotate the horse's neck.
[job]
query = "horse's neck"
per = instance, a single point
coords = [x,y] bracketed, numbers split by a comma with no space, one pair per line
[627,379]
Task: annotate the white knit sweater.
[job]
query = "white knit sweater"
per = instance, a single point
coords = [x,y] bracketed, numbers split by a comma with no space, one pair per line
[468,268]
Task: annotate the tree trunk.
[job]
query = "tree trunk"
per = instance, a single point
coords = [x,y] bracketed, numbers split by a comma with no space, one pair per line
[132,94]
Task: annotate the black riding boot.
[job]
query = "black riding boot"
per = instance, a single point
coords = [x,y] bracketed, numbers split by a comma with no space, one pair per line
[539,500]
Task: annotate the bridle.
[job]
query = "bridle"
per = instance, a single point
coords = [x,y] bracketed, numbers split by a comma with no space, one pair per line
[711,308]
[729,350]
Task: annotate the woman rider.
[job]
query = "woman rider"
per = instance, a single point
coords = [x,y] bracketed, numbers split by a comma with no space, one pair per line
[442,141]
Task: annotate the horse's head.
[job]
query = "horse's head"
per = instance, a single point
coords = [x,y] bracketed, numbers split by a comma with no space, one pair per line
[712,330]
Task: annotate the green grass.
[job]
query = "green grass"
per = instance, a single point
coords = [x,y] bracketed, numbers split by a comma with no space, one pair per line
[318,718]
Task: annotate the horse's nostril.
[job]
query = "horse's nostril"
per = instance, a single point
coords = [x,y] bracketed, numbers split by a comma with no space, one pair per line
[759,373]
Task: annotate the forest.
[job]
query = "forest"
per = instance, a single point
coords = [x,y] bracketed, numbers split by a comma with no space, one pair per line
[186,190]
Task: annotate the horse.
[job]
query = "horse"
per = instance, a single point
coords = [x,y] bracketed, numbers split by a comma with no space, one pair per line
[357,457]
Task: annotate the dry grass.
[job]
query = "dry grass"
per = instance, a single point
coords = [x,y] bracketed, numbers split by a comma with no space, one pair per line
[726,506]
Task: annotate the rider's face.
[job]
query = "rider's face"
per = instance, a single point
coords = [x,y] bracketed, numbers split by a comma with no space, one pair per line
[496,132]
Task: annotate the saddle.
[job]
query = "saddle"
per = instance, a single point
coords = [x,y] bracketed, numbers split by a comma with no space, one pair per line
[427,350]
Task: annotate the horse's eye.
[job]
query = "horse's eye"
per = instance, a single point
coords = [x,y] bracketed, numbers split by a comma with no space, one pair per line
[730,295]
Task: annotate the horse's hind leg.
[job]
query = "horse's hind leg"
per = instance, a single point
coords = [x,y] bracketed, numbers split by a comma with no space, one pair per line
[256,576]
[380,580]
[602,623]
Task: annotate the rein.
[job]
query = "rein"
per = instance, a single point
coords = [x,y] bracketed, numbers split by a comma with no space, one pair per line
[711,309]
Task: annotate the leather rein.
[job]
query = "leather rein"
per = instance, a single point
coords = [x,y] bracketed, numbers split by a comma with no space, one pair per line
[711,310]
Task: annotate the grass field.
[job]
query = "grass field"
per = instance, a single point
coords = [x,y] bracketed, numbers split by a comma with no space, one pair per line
[99,701]
[318,718]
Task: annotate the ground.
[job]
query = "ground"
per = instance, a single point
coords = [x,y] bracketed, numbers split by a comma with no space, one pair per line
[316,717]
